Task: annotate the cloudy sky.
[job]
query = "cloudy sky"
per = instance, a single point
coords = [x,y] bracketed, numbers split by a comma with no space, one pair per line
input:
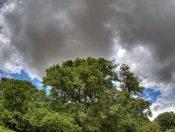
[35,34]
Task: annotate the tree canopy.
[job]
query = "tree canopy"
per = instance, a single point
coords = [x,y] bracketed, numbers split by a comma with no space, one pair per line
[83,97]
[85,89]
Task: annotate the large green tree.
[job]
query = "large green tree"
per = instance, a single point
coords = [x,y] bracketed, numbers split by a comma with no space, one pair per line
[84,90]
[83,97]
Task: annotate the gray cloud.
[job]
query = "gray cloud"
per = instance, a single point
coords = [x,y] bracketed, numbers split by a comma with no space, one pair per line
[47,32]
[162,105]
[149,24]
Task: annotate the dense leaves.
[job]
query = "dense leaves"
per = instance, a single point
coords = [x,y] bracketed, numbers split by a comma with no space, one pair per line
[166,121]
[150,127]
[83,97]
[85,87]
[16,94]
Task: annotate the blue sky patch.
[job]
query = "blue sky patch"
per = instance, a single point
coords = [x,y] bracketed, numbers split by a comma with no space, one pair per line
[24,76]
[151,95]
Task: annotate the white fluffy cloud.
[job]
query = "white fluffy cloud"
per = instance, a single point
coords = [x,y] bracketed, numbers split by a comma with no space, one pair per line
[162,105]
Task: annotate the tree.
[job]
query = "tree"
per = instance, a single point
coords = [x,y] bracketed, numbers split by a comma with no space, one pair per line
[82,87]
[84,90]
[166,121]
[82,81]
[16,92]
[14,101]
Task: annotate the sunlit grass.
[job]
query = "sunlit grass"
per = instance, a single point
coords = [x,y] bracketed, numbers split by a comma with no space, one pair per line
[172,130]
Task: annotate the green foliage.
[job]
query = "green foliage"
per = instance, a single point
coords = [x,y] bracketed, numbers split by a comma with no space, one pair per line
[16,94]
[166,121]
[150,127]
[130,82]
[82,98]
[85,89]
[43,119]
[4,129]
[82,81]
[131,96]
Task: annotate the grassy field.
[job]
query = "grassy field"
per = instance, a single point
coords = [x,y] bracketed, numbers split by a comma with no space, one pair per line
[172,130]
[2,129]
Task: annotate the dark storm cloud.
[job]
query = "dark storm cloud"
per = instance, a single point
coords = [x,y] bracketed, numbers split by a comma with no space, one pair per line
[48,32]
[150,24]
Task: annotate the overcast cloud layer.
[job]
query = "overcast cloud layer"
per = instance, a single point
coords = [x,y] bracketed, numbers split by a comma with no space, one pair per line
[36,34]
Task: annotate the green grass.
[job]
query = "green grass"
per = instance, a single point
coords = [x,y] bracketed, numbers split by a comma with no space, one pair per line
[3,129]
[171,130]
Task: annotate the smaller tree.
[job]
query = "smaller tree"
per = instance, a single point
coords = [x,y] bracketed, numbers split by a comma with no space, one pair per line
[15,95]
[166,121]
[16,92]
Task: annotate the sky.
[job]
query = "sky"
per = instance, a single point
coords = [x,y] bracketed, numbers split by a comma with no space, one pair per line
[36,34]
